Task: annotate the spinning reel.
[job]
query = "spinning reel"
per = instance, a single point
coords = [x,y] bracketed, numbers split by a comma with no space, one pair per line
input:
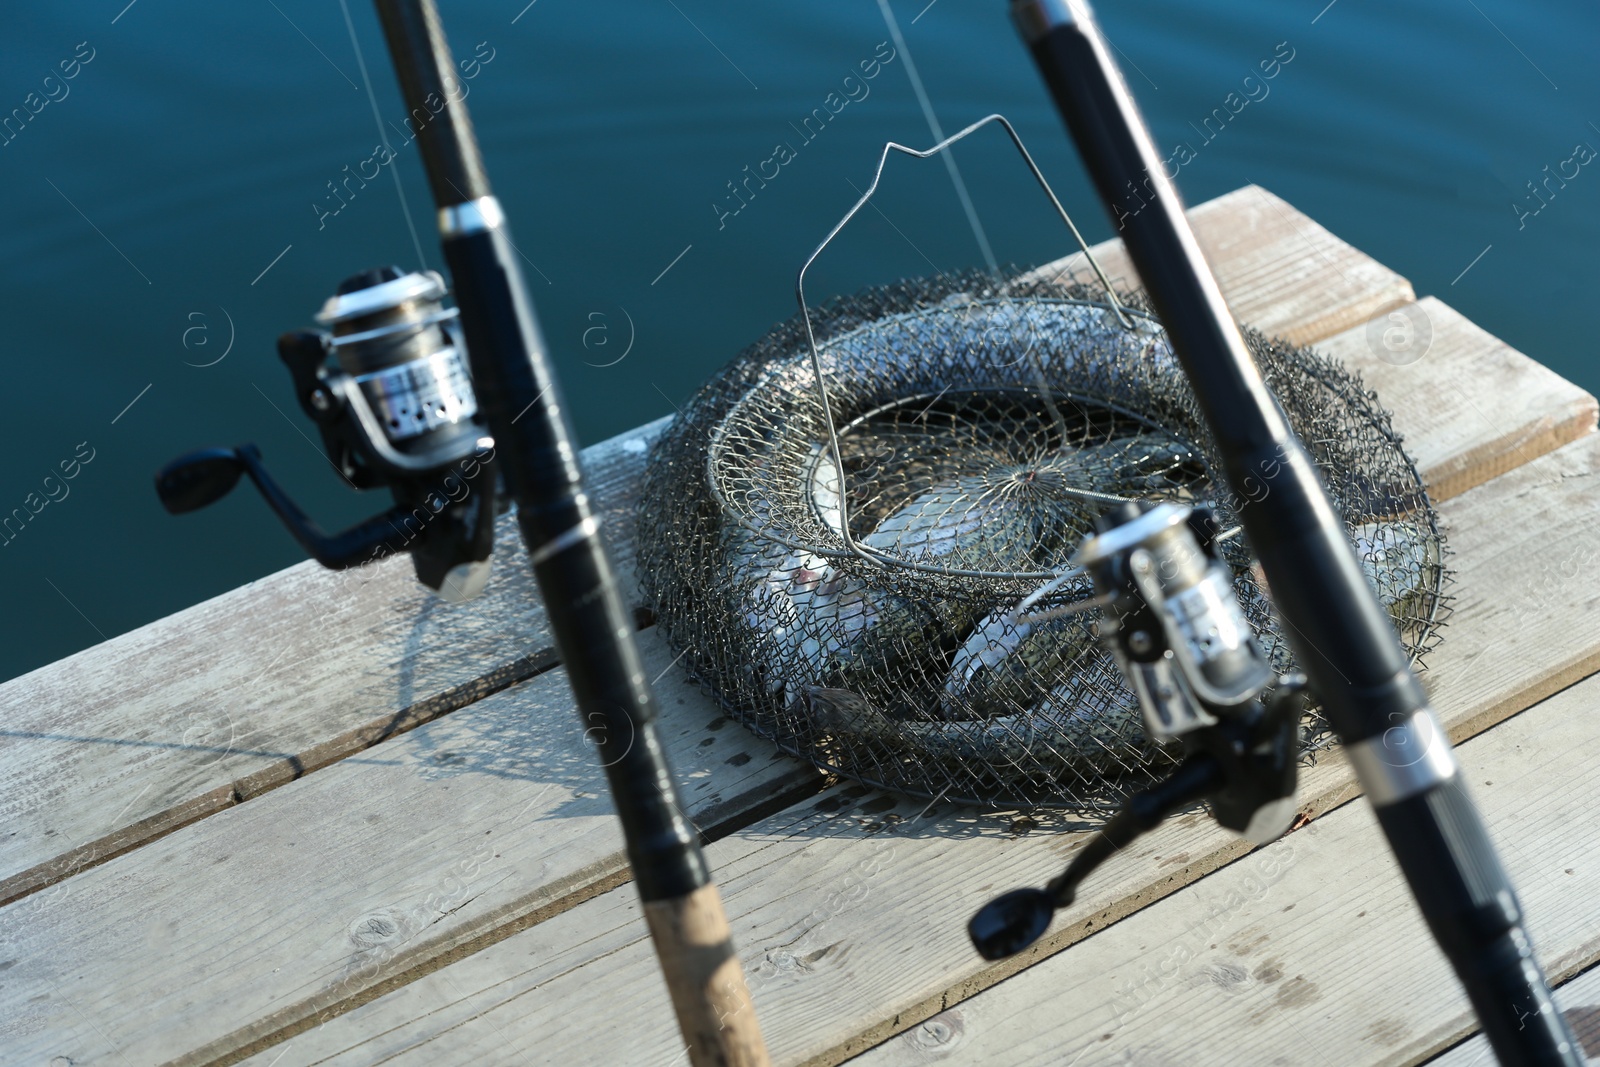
[1186,649]
[396,408]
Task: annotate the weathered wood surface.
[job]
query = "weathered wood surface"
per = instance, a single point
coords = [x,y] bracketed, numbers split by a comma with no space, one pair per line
[348,946]
[850,910]
[1281,272]
[266,917]
[132,738]
[1312,951]
[169,723]
[1471,404]
[128,740]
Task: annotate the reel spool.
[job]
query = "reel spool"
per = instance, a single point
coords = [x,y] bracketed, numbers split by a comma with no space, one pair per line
[402,348]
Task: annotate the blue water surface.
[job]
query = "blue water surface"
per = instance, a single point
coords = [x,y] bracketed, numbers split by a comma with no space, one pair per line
[170,208]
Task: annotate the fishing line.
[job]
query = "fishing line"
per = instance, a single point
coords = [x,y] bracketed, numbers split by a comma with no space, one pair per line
[938,135]
[372,99]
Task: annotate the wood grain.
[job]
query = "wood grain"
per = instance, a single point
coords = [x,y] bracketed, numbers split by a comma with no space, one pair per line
[133,738]
[1281,272]
[268,917]
[1312,951]
[145,733]
[1469,402]
[850,910]
[327,914]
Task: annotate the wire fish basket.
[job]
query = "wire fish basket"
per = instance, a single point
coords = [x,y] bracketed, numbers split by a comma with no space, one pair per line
[857,533]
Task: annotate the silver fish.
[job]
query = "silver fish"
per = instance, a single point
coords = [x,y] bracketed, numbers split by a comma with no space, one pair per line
[813,620]
[1131,461]
[1006,666]
[1400,560]
[991,521]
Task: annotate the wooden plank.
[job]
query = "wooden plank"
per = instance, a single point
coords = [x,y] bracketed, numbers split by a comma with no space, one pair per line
[1281,272]
[128,740]
[131,739]
[1579,1001]
[850,911]
[263,919]
[1475,406]
[432,950]
[1312,951]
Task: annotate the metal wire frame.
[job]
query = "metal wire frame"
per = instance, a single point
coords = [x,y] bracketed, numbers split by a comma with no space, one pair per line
[1026,753]
[851,544]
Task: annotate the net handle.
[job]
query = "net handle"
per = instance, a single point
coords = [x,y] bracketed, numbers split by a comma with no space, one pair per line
[855,547]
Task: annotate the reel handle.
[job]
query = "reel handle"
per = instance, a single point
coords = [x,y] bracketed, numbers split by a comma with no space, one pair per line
[201,478]
[1010,923]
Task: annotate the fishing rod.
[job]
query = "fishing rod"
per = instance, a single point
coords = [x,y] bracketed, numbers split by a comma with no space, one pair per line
[388,384]
[536,452]
[1168,627]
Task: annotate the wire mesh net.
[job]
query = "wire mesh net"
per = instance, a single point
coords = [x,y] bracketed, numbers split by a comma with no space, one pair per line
[860,607]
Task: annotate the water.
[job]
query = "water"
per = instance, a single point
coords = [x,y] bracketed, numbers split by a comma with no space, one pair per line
[175,197]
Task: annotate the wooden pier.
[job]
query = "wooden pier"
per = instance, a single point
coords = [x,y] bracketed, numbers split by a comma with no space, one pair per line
[328,819]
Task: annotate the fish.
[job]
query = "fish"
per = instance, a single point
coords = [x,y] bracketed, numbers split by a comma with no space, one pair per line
[1399,559]
[812,619]
[1007,665]
[813,625]
[1023,680]
[1145,465]
[1141,465]
[955,517]
[815,619]
[990,521]
[1003,516]
[891,461]
[821,622]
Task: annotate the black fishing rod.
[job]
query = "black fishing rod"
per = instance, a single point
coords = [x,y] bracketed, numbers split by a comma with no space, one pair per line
[388,385]
[536,452]
[1342,638]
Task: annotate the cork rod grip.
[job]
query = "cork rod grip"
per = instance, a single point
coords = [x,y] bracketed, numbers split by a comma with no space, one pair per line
[706,980]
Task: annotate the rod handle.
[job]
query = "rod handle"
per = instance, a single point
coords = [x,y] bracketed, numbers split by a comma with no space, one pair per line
[706,980]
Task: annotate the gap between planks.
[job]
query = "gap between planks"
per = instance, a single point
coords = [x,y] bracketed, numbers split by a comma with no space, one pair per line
[274,916]
[1289,959]
[1281,271]
[1569,388]
[356,648]
[154,729]
[847,945]
[1579,1000]
[156,826]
